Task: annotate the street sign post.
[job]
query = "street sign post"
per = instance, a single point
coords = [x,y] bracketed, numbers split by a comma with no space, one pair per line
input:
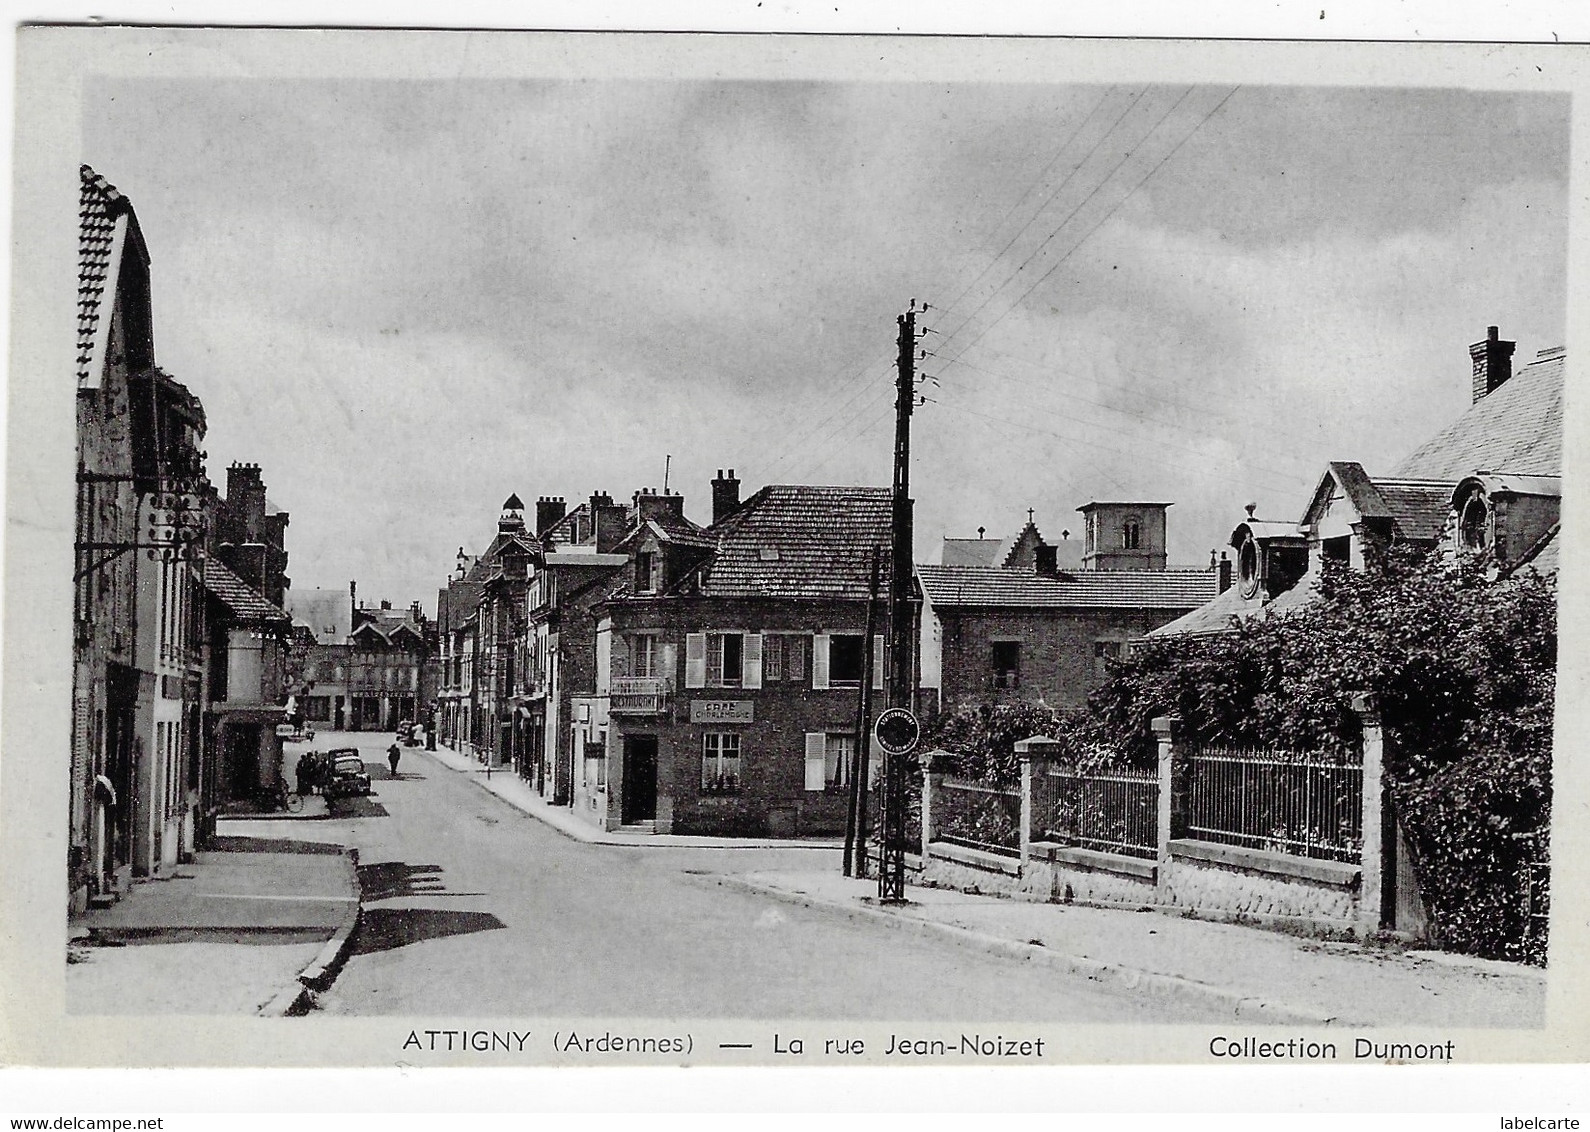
[897,733]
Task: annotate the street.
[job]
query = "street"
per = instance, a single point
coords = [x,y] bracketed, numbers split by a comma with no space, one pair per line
[474,908]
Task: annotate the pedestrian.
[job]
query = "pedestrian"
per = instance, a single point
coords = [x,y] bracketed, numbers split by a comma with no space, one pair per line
[393,754]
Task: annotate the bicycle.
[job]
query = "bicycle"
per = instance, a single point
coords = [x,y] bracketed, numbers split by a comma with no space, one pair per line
[277,798]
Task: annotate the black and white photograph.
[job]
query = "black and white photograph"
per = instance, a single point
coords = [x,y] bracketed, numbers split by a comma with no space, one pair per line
[580,550]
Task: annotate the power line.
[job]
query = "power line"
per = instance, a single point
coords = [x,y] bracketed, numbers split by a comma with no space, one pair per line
[1070,216]
[1159,165]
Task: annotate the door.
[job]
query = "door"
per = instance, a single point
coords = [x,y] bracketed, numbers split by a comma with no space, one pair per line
[640,779]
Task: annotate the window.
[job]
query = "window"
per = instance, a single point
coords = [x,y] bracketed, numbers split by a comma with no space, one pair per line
[317,709]
[1248,567]
[1474,525]
[725,659]
[784,657]
[1131,534]
[1007,664]
[1103,653]
[1337,549]
[647,572]
[644,659]
[846,657]
[828,759]
[720,762]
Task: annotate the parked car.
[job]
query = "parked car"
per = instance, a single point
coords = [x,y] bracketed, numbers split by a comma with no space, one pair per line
[346,773]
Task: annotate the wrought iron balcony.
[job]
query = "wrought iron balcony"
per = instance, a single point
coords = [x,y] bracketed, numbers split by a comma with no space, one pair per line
[638,695]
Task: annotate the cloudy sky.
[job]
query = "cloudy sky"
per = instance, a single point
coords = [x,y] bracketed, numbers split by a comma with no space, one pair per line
[406,300]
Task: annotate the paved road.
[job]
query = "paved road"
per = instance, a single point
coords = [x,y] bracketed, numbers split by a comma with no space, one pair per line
[473,908]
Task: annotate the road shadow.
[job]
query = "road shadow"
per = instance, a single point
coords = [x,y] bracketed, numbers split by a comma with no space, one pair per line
[383,929]
[235,844]
[355,806]
[387,879]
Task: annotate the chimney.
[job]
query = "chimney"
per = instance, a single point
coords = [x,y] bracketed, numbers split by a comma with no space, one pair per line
[607,522]
[353,596]
[650,505]
[1225,572]
[386,605]
[1493,363]
[725,496]
[549,509]
[1044,560]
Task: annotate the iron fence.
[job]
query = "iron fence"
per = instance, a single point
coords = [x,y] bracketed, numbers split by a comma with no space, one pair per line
[1115,810]
[983,817]
[1303,803]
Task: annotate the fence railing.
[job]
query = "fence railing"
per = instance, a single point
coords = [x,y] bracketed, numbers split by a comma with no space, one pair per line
[983,817]
[1303,803]
[1114,810]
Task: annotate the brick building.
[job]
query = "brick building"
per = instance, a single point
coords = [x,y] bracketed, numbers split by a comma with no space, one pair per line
[729,662]
[360,668]
[1027,629]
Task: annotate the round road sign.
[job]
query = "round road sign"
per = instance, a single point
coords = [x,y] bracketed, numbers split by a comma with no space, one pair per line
[897,731]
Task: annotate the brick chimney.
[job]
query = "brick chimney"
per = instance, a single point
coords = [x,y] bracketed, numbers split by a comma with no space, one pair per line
[725,496]
[607,522]
[1044,560]
[549,509]
[1225,572]
[1493,363]
[650,505]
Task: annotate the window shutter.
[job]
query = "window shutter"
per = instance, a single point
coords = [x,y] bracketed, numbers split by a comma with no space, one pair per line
[604,661]
[695,660]
[669,663]
[877,661]
[816,748]
[751,661]
[820,661]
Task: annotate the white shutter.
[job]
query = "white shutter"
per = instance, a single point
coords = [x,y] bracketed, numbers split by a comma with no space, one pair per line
[816,748]
[751,660]
[668,665]
[695,660]
[820,661]
[604,661]
[877,661]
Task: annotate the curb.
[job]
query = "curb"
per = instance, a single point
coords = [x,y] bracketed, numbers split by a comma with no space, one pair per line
[1243,1007]
[598,837]
[298,997]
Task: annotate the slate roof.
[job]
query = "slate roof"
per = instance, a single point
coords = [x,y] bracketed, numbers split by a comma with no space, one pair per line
[1543,557]
[1213,617]
[823,538]
[247,604]
[98,206]
[1418,507]
[985,586]
[325,612]
[971,551]
[1516,428]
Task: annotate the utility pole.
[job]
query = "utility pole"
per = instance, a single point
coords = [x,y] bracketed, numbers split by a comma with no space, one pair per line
[891,874]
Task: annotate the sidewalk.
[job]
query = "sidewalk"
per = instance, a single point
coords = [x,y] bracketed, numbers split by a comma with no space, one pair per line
[245,928]
[1260,976]
[514,790]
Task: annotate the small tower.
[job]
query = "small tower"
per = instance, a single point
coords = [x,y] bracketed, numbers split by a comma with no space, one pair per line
[1123,536]
[512,518]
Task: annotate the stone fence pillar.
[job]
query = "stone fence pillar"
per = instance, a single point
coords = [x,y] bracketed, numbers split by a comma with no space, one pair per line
[1035,754]
[1372,910]
[1172,805]
[934,766]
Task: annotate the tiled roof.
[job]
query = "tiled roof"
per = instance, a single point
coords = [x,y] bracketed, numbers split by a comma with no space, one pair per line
[680,531]
[247,604]
[1515,428]
[1542,557]
[98,206]
[798,541]
[1418,507]
[1215,616]
[1082,589]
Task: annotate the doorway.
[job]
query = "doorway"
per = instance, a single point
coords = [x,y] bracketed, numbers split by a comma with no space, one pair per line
[640,779]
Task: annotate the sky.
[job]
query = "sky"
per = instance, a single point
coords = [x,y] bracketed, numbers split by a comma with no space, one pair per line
[407,299]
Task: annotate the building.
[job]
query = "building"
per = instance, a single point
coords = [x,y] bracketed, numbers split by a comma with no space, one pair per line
[729,662]
[245,671]
[455,634]
[360,668]
[1490,481]
[1021,628]
[137,760]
